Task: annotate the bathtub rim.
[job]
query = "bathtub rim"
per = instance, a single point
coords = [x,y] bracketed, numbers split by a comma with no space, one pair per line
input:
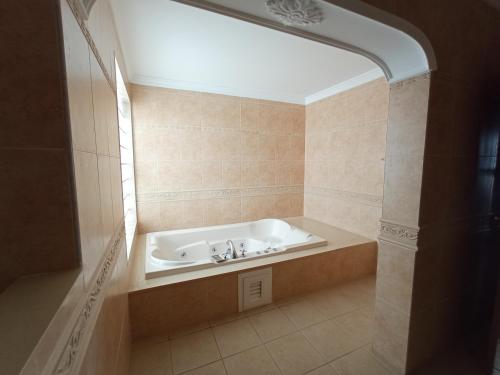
[337,239]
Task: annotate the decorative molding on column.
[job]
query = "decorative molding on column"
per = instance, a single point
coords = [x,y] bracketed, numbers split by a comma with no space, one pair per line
[75,6]
[399,234]
[74,349]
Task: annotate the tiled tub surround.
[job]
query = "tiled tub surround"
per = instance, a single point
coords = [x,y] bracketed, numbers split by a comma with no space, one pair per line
[325,332]
[165,304]
[186,250]
[345,158]
[206,159]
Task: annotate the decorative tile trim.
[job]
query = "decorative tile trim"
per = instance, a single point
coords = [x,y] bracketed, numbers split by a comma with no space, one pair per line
[93,301]
[366,199]
[218,194]
[399,234]
[80,18]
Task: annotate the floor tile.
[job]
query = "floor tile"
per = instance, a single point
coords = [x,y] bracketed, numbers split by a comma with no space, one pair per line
[303,314]
[194,350]
[294,355]
[325,370]
[332,303]
[188,330]
[358,295]
[260,309]
[151,358]
[227,319]
[215,368]
[272,324]
[329,338]
[256,361]
[235,337]
[359,327]
[360,362]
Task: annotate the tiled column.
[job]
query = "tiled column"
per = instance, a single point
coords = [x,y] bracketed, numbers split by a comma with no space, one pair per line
[398,241]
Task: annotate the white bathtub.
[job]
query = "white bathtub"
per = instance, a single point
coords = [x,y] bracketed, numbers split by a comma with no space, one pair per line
[190,249]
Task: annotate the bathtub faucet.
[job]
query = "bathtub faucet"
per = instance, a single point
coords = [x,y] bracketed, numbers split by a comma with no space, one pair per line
[231,251]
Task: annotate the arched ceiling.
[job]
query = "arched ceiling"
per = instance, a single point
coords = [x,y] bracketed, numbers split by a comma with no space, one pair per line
[400,49]
[169,44]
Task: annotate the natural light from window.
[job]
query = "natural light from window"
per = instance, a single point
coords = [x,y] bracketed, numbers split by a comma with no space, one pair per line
[127,159]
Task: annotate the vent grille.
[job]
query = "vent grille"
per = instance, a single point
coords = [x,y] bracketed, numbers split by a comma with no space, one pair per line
[255,289]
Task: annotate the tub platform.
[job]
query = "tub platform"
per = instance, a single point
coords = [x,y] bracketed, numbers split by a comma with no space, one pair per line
[160,305]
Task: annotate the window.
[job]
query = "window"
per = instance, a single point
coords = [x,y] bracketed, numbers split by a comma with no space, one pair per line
[127,159]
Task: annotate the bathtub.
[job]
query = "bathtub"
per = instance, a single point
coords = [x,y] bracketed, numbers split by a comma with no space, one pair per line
[186,250]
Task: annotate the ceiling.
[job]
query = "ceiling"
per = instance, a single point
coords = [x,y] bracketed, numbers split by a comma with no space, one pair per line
[169,44]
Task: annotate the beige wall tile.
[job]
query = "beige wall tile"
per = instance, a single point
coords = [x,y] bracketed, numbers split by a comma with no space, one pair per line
[220,111]
[112,122]
[402,186]
[105,198]
[79,86]
[408,117]
[229,143]
[116,190]
[89,211]
[148,217]
[222,211]
[231,173]
[345,155]
[99,84]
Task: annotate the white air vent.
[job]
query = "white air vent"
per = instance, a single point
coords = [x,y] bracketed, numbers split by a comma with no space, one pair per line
[255,288]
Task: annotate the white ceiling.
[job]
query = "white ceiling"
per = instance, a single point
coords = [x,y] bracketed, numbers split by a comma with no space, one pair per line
[175,45]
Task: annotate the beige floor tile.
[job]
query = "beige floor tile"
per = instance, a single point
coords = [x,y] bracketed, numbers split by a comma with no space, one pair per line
[303,314]
[332,303]
[188,330]
[294,355]
[360,362]
[256,361]
[260,309]
[272,324]
[358,294]
[216,368]
[194,350]
[235,337]
[151,358]
[330,339]
[359,327]
[324,370]
[227,319]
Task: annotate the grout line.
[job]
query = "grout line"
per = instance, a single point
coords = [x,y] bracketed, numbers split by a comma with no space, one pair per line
[272,358]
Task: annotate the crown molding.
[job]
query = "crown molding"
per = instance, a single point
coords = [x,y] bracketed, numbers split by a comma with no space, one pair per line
[361,79]
[345,85]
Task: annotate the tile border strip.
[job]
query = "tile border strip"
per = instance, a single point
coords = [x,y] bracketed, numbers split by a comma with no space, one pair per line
[72,353]
[218,193]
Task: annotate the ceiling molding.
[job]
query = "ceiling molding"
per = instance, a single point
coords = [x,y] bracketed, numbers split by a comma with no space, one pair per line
[258,94]
[344,86]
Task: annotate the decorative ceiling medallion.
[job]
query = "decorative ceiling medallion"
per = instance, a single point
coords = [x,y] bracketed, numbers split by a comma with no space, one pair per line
[295,12]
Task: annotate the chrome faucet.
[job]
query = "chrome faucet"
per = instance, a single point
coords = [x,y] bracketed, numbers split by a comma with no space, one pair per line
[231,251]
